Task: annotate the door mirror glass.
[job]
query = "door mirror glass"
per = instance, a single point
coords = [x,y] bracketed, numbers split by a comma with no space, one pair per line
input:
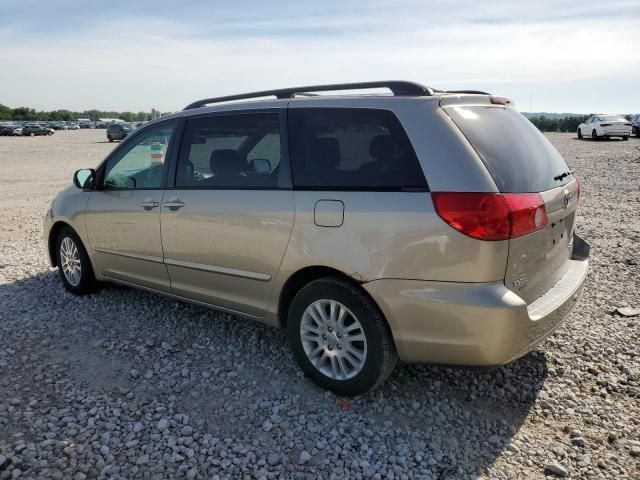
[85,178]
[260,165]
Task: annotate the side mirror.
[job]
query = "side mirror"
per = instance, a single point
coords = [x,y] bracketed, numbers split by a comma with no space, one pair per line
[85,179]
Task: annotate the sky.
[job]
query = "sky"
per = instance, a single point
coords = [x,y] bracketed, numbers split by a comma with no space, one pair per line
[555,56]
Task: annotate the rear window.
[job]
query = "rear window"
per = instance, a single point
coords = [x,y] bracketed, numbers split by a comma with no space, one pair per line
[517,155]
[351,149]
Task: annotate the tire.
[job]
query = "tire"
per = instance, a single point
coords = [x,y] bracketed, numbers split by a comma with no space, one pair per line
[362,318]
[625,138]
[580,134]
[111,140]
[32,134]
[85,281]
[50,133]
[594,135]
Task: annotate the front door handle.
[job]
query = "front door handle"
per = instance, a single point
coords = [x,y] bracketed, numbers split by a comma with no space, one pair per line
[173,204]
[149,203]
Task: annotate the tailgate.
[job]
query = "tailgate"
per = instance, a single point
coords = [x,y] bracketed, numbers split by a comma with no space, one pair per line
[537,261]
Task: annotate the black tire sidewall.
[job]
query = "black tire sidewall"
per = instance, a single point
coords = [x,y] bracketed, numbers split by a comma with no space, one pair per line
[364,310]
[87,278]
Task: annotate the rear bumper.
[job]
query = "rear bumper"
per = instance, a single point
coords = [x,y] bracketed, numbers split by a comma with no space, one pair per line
[475,324]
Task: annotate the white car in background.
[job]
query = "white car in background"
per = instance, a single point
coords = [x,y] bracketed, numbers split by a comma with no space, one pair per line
[605,126]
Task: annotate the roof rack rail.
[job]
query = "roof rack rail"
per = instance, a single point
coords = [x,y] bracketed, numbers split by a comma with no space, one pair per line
[474,92]
[397,87]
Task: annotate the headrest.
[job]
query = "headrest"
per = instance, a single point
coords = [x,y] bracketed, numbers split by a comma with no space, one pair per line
[382,148]
[225,162]
[325,153]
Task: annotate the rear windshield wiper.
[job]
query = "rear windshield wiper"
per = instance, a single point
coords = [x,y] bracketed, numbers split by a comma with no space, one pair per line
[563,175]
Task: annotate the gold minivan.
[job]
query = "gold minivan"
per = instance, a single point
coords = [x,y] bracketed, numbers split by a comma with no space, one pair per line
[420,225]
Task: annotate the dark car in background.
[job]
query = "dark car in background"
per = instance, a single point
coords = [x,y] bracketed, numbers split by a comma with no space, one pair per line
[10,130]
[635,125]
[33,129]
[118,131]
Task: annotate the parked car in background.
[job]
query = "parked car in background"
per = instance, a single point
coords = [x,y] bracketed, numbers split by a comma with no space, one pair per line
[118,131]
[426,226]
[10,130]
[100,125]
[33,129]
[87,125]
[74,126]
[635,125]
[605,126]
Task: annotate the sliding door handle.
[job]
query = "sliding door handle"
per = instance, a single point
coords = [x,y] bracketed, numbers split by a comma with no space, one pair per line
[173,204]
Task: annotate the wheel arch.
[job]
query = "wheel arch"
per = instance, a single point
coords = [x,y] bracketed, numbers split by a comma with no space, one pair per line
[306,275]
[54,231]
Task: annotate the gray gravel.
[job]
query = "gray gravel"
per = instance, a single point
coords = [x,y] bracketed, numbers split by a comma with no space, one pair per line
[123,384]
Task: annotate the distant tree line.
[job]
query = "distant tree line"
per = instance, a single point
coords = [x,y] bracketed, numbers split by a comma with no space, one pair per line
[24,113]
[565,124]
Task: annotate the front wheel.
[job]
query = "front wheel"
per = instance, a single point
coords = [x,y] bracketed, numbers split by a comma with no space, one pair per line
[579,133]
[73,263]
[32,134]
[339,337]
[625,138]
[594,135]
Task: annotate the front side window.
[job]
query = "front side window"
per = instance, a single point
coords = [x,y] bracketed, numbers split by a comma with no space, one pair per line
[239,150]
[351,149]
[142,163]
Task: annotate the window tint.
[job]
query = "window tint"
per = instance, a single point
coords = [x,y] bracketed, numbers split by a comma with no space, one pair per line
[142,163]
[230,151]
[349,148]
[518,157]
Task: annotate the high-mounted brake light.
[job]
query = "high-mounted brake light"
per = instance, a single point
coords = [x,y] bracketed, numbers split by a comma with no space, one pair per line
[491,216]
[499,100]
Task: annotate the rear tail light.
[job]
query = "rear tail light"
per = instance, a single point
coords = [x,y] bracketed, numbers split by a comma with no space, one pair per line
[605,124]
[492,216]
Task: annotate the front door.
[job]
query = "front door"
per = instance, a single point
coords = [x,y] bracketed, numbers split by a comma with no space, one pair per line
[123,214]
[227,222]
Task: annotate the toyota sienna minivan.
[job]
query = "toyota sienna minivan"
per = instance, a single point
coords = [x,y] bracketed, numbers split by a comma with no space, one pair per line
[421,225]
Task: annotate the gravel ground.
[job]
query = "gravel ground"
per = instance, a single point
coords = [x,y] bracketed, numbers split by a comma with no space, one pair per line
[125,384]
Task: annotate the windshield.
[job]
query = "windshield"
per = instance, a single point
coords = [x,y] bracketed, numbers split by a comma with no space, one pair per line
[126,127]
[519,158]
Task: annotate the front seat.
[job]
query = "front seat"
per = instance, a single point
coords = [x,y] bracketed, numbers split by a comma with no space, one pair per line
[227,168]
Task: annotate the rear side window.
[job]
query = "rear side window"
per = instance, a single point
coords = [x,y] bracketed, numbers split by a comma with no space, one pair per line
[351,149]
[519,158]
[230,151]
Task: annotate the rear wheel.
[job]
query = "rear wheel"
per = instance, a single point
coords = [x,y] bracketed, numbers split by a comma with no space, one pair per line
[625,138]
[579,133]
[73,263]
[339,337]
[594,134]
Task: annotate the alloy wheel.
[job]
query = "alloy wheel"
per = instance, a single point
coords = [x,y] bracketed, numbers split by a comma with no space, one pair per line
[70,261]
[333,339]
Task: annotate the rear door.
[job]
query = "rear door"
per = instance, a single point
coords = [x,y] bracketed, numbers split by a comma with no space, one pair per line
[227,220]
[521,160]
